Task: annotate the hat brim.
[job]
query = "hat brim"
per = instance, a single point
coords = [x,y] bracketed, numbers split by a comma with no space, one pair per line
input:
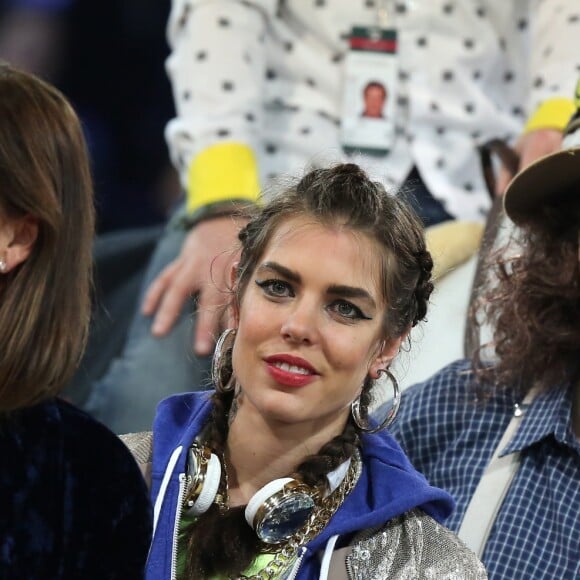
[542,182]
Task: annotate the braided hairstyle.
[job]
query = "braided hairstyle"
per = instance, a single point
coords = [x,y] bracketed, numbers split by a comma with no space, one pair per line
[223,544]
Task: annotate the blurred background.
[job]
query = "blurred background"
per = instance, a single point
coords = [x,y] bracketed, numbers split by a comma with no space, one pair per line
[107,56]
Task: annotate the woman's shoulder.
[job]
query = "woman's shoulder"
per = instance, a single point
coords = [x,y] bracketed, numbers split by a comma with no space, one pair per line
[59,429]
[68,473]
[413,545]
[82,433]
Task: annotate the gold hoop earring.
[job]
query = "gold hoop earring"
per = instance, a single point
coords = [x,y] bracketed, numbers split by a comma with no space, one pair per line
[222,355]
[369,425]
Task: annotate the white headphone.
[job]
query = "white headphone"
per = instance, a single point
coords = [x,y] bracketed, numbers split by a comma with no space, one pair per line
[275,512]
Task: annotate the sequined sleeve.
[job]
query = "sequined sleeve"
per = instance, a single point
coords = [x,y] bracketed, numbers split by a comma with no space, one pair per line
[413,545]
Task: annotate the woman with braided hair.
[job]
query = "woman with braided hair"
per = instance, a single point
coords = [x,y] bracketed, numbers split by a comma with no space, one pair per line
[283,471]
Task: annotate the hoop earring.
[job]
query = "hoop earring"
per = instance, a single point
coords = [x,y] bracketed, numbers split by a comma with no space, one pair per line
[224,345]
[2,265]
[364,424]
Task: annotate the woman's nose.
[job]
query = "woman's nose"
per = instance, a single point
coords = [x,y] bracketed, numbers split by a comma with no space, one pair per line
[300,324]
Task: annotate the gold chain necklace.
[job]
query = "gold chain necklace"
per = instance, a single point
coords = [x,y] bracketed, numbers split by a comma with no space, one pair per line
[318,520]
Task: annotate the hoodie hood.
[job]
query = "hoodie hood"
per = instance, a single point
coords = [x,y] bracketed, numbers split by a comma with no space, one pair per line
[388,486]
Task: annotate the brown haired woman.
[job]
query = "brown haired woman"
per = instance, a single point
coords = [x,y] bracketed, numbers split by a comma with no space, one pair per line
[503,436]
[72,502]
[282,471]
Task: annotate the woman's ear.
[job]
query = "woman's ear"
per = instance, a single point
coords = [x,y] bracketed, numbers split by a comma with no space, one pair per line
[388,351]
[18,238]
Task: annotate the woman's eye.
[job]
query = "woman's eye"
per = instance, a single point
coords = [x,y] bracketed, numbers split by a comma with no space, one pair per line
[277,288]
[348,310]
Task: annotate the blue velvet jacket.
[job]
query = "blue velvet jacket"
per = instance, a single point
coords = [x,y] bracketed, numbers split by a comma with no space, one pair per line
[73,503]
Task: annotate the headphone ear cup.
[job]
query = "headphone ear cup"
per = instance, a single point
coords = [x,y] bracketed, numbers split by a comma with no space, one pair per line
[263,494]
[210,486]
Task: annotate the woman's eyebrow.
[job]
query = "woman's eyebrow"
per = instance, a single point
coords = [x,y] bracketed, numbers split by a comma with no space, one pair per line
[352,292]
[282,270]
[341,290]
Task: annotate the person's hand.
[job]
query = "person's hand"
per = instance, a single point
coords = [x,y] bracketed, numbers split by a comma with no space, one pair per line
[530,147]
[203,268]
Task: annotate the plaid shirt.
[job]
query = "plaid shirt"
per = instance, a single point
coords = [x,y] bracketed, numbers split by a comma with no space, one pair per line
[450,438]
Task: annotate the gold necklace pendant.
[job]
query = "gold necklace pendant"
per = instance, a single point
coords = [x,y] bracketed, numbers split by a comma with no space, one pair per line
[287,552]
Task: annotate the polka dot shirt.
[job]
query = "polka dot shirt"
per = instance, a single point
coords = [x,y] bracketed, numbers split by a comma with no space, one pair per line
[269,75]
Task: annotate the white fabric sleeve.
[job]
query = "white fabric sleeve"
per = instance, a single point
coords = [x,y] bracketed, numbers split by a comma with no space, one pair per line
[216,68]
[554,56]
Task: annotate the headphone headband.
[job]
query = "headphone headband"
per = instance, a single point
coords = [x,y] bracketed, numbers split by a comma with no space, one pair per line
[276,511]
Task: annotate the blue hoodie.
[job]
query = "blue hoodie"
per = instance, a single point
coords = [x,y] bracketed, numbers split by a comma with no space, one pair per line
[388,486]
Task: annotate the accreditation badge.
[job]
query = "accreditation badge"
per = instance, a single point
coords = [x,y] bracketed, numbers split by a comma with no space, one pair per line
[369,93]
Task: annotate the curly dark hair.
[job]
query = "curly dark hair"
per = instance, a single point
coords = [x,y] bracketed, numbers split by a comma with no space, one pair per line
[223,544]
[534,305]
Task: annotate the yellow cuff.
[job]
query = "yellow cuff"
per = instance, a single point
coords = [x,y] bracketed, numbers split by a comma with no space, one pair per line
[222,172]
[551,114]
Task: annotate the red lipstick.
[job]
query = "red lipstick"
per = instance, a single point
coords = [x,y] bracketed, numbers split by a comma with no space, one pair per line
[280,367]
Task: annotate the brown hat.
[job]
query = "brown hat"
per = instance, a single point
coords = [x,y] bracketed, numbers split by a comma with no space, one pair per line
[548,179]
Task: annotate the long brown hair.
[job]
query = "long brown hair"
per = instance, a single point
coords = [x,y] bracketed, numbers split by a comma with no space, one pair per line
[224,544]
[44,302]
[533,304]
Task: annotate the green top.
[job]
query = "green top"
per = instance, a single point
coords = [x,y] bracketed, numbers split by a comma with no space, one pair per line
[261,561]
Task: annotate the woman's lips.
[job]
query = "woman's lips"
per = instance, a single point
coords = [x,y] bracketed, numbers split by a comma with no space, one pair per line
[290,371]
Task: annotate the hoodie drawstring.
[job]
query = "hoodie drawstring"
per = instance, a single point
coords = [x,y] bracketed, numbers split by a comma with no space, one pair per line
[328,551]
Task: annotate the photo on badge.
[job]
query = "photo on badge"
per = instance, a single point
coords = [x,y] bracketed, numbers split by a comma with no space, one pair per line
[369,93]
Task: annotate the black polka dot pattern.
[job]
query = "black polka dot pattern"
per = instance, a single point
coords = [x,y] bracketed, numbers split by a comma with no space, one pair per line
[459,83]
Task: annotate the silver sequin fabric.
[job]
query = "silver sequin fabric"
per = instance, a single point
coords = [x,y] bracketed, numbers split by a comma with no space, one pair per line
[412,546]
